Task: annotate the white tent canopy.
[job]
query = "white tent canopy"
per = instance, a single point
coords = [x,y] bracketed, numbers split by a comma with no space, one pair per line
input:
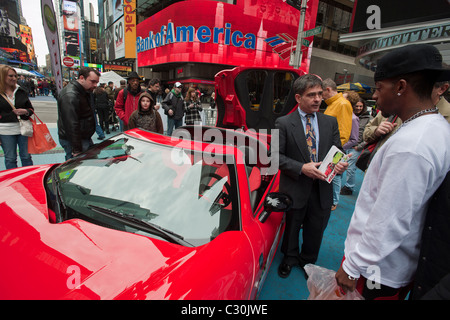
[105,77]
[24,72]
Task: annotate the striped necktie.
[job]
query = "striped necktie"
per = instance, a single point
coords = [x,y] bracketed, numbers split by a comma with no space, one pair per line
[311,138]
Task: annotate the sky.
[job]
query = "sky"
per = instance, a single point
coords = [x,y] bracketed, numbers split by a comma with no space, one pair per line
[31,10]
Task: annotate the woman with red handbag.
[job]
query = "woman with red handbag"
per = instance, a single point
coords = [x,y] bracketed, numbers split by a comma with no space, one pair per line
[14,104]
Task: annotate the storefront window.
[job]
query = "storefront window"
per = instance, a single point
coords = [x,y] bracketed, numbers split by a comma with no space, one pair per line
[255,85]
[335,18]
[283,82]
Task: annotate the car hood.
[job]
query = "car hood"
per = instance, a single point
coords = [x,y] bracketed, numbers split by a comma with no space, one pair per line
[79,260]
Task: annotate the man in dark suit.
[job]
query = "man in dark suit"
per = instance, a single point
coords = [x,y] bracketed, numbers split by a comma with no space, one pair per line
[300,178]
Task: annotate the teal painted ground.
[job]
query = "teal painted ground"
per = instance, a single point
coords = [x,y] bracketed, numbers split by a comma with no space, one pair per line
[330,256]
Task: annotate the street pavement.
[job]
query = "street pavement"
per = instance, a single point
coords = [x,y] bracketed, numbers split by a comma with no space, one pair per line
[275,288]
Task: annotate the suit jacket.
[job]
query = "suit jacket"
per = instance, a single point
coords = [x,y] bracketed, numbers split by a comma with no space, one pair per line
[293,154]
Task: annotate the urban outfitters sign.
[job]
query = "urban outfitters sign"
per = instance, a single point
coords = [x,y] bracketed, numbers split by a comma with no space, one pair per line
[204,34]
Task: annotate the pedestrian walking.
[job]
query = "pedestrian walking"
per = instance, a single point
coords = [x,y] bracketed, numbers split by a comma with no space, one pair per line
[192,107]
[364,117]
[154,87]
[341,109]
[353,98]
[102,107]
[173,106]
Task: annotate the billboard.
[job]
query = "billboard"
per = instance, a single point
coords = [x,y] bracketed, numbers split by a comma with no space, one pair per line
[119,24]
[115,40]
[129,15]
[251,32]
[27,39]
[71,17]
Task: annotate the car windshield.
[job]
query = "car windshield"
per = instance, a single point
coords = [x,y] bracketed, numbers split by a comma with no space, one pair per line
[124,181]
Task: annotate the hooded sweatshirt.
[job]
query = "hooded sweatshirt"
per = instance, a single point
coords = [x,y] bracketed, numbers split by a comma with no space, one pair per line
[146,119]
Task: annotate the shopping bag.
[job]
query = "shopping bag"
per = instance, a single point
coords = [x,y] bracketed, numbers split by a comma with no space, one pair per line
[41,140]
[366,156]
[322,285]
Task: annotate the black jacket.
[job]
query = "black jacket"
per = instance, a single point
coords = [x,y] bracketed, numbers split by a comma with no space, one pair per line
[21,102]
[432,280]
[75,115]
[172,102]
[101,100]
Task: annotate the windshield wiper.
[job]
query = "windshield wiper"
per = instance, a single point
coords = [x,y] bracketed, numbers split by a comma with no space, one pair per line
[59,198]
[130,219]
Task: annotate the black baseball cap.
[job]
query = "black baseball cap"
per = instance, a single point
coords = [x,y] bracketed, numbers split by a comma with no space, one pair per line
[411,58]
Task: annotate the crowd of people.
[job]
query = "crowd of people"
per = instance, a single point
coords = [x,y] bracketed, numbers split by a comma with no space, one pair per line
[412,125]
[96,107]
[37,86]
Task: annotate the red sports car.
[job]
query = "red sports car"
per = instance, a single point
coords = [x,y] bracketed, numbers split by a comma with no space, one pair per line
[143,216]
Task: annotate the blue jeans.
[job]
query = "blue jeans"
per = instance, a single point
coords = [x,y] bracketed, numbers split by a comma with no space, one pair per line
[67,146]
[98,129]
[9,146]
[336,188]
[350,180]
[171,123]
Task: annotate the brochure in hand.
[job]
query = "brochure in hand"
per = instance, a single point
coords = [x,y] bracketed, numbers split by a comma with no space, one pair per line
[333,157]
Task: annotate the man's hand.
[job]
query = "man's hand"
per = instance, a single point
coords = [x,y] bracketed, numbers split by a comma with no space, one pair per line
[344,281]
[170,112]
[384,128]
[342,166]
[310,170]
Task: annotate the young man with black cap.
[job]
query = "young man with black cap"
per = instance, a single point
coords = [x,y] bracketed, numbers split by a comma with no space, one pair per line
[384,235]
[128,99]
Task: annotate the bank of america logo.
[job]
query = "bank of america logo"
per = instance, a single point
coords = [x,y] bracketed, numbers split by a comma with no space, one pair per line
[283,44]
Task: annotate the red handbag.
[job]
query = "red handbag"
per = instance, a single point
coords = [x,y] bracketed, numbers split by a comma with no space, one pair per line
[42,140]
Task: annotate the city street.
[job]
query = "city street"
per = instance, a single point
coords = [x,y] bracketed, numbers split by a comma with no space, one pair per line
[45,108]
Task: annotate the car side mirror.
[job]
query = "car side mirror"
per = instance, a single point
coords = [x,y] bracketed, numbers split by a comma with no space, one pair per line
[275,201]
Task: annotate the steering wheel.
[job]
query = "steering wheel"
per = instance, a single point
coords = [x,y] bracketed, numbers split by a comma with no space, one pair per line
[224,196]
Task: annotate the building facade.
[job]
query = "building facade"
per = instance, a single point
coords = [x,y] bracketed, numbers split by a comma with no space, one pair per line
[190,41]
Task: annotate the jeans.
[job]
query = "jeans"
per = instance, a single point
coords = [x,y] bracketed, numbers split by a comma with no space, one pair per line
[171,123]
[9,146]
[336,188]
[350,180]
[98,129]
[67,146]
[350,175]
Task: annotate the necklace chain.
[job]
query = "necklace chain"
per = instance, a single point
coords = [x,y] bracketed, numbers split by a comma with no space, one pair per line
[418,114]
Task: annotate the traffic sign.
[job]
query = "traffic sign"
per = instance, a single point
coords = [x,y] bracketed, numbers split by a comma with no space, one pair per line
[294,3]
[312,32]
[68,62]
